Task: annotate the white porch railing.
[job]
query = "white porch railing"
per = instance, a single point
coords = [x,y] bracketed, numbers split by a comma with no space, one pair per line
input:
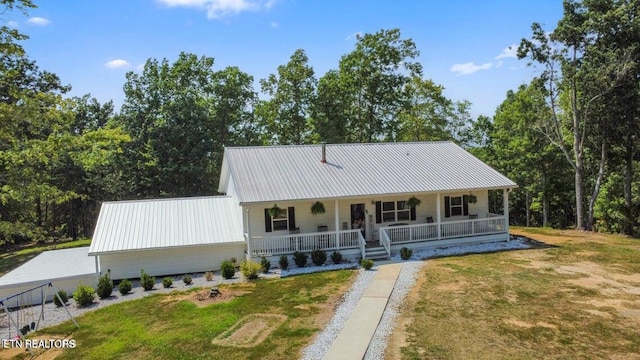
[363,244]
[448,230]
[386,242]
[305,242]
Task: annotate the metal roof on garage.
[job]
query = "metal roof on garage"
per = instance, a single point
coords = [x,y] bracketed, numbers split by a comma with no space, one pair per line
[275,173]
[52,265]
[166,223]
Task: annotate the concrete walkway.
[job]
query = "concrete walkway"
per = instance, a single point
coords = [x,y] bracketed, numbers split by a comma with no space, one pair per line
[354,339]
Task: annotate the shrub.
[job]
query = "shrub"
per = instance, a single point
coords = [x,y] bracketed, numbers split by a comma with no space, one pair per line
[124,287]
[187,279]
[208,275]
[336,257]
[284,262]
[266,264]
[167,282]
[227,269]
[147,281]
[63,295]
[405,253]
[84,295]
[318,257]
[300,258]
[250,269]
[105,286]
[366,263]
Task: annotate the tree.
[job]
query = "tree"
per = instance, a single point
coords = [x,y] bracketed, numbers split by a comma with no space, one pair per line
[427,112]
[9,36]
[285,114]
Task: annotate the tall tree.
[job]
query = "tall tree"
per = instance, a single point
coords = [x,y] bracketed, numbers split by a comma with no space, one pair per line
[9,36]
[285,114]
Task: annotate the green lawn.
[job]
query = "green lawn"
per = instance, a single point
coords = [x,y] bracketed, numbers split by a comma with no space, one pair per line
[10,260]
[173,327]
[576,298]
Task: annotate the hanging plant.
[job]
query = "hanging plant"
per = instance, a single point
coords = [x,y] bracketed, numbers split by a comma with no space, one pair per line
[275,211]
[471,199]
[317,208]
[413,202]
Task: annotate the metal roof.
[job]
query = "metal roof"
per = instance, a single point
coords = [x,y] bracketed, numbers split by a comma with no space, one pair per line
[275,173]
[163,223]
[53,264]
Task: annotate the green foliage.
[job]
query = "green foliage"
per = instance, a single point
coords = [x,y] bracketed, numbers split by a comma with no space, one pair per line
[318,257]
[367,264]
[84,295]
[266,264]
[187,279]
[124,286]
[317,208]
[300,258]
[250,269]
[105,286]
[405,253]
[336,257]
[227,269]
[147,281]
[63,295]
[283,262]
[167,281]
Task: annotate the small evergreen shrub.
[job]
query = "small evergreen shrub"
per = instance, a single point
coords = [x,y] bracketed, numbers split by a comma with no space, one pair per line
[250,269]
[227,269]
[208,275]
[405,253]
[318,257]
[147,281]
[187,279]
[300,258]
[336,257]
[124,287]
[167,282]
[266,264]
[84,295]
[63,295]
[105,286]
[284,262]
[366,263]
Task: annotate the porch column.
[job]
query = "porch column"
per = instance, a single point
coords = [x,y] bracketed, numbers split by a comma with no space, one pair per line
[248,233]
[337,217]
[438,215]
[505,201]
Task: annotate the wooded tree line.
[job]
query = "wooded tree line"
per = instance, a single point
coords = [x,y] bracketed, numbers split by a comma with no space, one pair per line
[572,129]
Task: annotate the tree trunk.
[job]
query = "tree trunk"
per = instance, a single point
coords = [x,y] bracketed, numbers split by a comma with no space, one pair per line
[545,209]
[628,179]
[580,225]
[596,188]
[528,211]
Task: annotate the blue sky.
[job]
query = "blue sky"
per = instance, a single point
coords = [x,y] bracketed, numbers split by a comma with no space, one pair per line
[463,43]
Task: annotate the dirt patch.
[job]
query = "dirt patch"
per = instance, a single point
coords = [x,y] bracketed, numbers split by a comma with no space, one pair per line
[250,330]
[202,299]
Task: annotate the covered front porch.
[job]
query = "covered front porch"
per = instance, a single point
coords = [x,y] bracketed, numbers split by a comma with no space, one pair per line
[354,226]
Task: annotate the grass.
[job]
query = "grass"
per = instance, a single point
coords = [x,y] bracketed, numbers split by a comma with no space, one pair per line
[170,327]
[575,299]
[10,260]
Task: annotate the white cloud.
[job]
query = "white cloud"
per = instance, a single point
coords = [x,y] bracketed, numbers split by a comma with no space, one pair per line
[469,68]
[117,64]
[508,52]
[38,21]
[499,63]
[274,24]
[217,9]
[12,24]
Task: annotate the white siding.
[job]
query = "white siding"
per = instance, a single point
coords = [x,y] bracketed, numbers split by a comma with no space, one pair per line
[169,261]
[480,208]
[67,284]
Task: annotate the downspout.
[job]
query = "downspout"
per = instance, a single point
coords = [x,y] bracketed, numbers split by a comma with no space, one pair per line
[505,199]
[97,267]
[248,233]
[337,220]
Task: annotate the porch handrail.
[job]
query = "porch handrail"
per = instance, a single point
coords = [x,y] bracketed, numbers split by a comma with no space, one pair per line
[272,245]
[362,242]
[385,241]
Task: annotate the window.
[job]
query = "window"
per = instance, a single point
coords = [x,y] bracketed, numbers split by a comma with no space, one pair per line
[455,206]
[280,222]
[395,211]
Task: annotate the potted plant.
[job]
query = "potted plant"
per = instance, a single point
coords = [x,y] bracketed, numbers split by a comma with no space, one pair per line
[471,199]
[317,208]
[275,211]
[413,202]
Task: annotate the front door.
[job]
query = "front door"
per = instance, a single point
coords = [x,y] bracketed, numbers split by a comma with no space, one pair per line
[357,218]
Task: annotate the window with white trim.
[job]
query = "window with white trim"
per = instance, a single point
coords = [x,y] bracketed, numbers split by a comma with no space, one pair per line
[280,222]
[395,211]
[456,206]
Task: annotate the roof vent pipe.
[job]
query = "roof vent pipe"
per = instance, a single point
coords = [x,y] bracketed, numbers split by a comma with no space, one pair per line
[324,153]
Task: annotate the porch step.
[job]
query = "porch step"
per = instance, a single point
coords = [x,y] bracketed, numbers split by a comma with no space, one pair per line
[376,253]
